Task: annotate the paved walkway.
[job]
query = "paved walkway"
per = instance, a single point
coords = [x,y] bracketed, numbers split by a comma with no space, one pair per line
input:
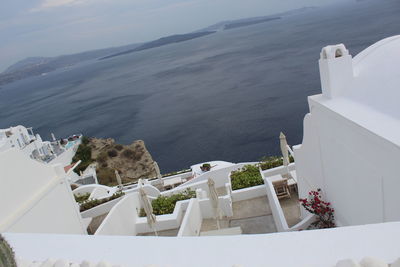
[253,216]
[291,209]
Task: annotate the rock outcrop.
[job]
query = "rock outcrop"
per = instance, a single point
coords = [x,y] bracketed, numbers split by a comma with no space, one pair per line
[131,161]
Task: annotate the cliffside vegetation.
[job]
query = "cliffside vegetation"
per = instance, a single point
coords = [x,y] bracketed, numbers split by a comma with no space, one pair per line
[131,161]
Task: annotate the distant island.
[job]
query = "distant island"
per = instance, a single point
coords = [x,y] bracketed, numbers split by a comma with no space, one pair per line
[162,41]
[35,66]
[248,23]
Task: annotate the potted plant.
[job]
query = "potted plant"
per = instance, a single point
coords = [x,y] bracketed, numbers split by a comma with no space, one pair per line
[205,167]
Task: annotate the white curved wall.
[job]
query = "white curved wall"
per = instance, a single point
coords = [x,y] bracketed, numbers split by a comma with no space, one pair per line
[122,218]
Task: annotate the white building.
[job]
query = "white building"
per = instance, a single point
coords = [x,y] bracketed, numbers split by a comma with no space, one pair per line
[351,144]
[24,139]
[33,146]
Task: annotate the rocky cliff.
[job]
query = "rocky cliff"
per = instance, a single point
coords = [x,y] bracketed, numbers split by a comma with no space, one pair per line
[131,161]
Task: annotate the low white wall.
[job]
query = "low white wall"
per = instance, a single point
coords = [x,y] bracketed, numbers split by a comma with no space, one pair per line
[122,217]
[164,222]
[305,248]
[183,176]
[99,193]
[279,170]
[248,193]
[277,212]
[276,208]
[303,224]
[150,190]
[194,186]
[191,223]
[220,177]
[225,206]
[100,209]
[89,188]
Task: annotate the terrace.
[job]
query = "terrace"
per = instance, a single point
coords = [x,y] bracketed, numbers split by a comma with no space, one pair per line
[255,209]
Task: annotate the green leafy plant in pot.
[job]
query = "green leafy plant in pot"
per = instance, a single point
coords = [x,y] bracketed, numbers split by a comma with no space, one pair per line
[205,167]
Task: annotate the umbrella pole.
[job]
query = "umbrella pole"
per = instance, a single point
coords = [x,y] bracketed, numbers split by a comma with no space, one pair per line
[155,230]
[216,212]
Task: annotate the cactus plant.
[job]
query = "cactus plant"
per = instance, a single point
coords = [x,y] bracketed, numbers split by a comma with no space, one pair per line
[6,254]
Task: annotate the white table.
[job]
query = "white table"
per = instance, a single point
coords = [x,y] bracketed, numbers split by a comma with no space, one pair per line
[278,177]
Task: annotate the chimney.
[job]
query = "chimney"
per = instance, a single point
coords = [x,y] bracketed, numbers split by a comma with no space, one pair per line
[336,70]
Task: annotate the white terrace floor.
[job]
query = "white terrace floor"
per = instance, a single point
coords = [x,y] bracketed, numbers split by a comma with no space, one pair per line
[253,216]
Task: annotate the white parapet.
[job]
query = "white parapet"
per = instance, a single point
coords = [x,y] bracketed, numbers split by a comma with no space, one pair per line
[306,248]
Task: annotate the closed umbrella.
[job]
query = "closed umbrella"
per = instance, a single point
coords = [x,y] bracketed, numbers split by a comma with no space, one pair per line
[214,199]
[157,169]
[148,209]
[285,154]
[118,179]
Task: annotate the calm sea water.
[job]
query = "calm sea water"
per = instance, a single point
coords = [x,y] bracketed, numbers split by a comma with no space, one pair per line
[225,96]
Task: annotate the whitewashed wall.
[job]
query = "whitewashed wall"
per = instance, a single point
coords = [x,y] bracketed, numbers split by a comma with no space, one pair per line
[38,198]
[308,161]
[248,193]
[100,209]
[277,212]
[99,192]
[122,217]
[83,189]
[191,223]
[358,168]
[164,222]
[220,177]
[305,248]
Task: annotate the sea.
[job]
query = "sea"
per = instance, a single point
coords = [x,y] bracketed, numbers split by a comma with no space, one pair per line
[225,96]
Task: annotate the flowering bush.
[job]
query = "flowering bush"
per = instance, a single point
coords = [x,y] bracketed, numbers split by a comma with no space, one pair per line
[323,210]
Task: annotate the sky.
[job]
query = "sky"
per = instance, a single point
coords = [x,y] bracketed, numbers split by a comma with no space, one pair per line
[56,27]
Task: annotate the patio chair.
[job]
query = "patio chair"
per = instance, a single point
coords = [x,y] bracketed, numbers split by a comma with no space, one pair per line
[281,188]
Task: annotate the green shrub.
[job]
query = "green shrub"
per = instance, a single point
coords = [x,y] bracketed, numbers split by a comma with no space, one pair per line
[112,153]
[91,203]
[106,176]
[102,157]
[166,205]
[80,198]
[85,140]
[118,147]
[128,153]
[84,153]
[248,176]
[7,257]
[272,162]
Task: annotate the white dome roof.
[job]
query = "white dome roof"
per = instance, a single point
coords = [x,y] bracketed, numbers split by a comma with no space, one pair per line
[377,77]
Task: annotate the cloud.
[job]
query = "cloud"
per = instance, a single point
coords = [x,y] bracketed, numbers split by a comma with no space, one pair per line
[48,4]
